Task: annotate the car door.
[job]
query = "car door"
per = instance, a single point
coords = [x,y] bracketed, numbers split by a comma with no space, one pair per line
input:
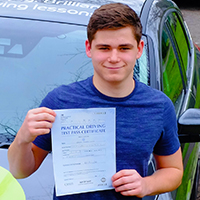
[177,64]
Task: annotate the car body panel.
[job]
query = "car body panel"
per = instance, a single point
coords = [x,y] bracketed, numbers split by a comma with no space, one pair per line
[60,11]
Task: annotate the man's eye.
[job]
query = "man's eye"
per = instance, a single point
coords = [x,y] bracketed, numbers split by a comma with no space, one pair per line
[103,48]
[124,48]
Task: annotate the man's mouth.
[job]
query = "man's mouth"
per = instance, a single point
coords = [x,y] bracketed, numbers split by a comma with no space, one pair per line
[113,67]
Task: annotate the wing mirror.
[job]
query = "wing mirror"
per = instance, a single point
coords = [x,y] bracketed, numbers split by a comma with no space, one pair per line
[189,126]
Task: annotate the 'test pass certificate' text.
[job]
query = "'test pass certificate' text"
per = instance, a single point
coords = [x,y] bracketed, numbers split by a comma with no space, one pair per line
[83,147]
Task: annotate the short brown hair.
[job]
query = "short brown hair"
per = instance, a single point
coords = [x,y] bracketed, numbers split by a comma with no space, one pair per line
[114,16]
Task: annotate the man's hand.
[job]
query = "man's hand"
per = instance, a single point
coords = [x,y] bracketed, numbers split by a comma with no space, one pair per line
[37,122]
[129,183]
[166,178]
[24,157]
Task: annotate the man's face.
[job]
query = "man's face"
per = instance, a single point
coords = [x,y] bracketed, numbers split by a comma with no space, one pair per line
[114,53]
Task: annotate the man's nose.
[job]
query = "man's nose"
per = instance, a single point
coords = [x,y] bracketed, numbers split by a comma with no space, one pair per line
[114,56]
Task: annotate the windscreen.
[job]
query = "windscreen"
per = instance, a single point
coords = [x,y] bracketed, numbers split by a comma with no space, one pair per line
[36,57]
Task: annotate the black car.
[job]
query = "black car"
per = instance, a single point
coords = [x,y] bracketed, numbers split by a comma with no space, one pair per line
[42,46]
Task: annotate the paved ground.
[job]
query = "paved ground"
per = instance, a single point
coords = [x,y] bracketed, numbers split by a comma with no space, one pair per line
[192,18]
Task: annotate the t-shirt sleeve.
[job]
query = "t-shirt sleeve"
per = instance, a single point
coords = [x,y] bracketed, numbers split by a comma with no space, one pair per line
[43,142]
[168,143]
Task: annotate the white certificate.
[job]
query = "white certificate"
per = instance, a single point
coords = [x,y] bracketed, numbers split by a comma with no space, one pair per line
[83,148]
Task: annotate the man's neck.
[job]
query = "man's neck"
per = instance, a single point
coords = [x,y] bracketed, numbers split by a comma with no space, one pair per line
[114,89]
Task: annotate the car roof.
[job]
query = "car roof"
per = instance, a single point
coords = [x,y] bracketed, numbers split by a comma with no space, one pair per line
[62,11]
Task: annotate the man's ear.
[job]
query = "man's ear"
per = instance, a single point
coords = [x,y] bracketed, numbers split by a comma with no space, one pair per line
[140,49]
[88,48]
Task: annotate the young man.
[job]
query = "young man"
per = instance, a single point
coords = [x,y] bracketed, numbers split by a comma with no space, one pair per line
[145,117]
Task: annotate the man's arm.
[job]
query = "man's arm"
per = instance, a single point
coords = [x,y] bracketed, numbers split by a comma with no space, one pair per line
[24,157]
[167,178]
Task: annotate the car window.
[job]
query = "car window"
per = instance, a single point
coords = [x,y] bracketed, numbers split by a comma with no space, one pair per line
[175,59]
[141,69]
[181,40]
[172,81]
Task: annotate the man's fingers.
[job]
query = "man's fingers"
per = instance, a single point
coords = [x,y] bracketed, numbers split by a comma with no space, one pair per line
[121,181]
[123,173]
[42,110]
[128,183]
[41,117]
[37,122]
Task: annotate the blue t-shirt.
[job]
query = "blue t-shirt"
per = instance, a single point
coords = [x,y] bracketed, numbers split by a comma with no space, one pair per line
[145,123]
